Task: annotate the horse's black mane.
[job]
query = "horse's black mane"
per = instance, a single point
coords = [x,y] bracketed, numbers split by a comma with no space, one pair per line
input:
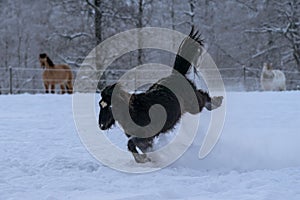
[49,61]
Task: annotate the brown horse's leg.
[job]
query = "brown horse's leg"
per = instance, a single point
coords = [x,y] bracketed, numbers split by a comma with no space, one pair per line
[52,88]
[46,87]
[69,86]
[62,88]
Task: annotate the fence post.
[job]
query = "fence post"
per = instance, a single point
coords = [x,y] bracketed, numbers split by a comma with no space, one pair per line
[10,80]
[244,74]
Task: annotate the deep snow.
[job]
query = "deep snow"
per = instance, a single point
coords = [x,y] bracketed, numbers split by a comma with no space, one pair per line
[256,157]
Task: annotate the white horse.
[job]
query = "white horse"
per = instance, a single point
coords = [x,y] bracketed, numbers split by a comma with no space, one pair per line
[272,80]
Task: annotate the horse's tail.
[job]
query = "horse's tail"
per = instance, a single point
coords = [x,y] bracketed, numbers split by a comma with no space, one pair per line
[188,52]
[69,84]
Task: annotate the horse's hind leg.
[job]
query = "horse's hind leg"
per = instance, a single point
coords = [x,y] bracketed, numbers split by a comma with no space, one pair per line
[214,103]
[143,144]
[210,103]
[62,89]
[69,87]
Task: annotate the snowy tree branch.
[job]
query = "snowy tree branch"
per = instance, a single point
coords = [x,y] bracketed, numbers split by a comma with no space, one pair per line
[69,62]
[70,37]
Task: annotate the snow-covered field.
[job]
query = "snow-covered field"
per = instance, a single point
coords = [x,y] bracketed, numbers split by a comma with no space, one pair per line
[42,157]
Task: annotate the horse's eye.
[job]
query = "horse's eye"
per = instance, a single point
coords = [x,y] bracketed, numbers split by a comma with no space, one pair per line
[103,104]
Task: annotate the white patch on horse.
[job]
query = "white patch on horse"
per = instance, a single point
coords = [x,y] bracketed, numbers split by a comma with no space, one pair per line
[103,104]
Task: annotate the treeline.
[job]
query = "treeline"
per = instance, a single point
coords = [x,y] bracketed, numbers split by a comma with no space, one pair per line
[237,33]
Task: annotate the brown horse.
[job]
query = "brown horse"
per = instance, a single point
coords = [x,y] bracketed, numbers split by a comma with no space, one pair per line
[56,74]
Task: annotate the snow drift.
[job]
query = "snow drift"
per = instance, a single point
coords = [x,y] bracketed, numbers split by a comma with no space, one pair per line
[256,157]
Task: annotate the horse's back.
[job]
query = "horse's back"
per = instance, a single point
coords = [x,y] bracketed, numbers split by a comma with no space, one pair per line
[64,66]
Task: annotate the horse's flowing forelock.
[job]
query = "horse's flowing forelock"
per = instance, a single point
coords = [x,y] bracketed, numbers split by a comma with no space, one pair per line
[43,55]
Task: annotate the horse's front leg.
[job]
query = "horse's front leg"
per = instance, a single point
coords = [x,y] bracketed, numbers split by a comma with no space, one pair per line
[52,88]
[46,87]
[143,144]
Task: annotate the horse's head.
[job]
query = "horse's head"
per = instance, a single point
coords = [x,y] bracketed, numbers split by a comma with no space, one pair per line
[268,66]
[45,61]
[106,118]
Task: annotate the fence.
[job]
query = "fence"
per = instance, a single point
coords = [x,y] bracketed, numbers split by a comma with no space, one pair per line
[29,80]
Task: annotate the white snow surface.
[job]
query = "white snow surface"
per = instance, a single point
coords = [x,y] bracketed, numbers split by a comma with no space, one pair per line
[256,156]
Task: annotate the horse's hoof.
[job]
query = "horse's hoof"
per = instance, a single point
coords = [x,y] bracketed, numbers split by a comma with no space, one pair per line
[216,102]
[141,158]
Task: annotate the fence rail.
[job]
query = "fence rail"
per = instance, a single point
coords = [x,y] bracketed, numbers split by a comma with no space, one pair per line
[29,80]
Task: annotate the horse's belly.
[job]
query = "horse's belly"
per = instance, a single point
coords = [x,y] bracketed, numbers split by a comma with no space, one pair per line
[55,77]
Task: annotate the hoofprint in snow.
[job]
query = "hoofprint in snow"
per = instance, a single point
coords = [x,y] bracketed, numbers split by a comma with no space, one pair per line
[256,157]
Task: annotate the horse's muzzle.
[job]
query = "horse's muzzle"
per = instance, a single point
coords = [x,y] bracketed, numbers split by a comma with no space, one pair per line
[101,126]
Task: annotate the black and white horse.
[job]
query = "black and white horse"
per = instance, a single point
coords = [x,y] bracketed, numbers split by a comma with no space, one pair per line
[139,105]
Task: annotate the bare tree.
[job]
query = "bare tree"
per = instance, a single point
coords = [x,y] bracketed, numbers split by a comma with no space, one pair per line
[96,6]
[140,25]
[191,13]
[286,24]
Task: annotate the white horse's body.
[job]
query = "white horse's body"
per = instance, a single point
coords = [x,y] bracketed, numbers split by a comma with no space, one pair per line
[272,80]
